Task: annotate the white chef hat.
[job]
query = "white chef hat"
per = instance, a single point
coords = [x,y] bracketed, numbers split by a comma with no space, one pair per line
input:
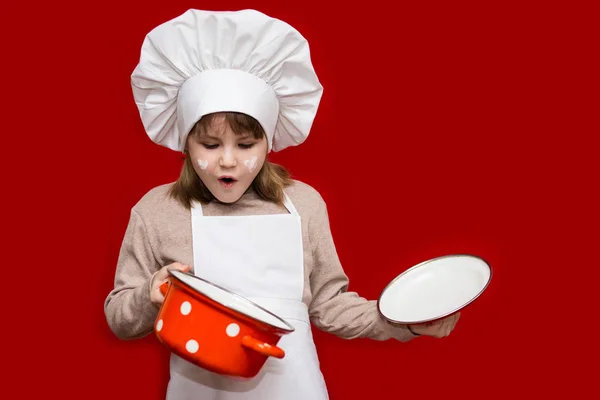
[211,61]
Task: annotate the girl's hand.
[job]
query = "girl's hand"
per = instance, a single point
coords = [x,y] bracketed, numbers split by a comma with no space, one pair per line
[437,329]
[160,277]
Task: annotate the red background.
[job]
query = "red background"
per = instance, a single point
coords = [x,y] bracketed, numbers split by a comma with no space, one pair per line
[445,127]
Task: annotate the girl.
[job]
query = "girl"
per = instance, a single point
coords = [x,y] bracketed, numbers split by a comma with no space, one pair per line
[226,88]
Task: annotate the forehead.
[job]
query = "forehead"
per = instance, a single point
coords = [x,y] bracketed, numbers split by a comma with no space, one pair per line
[215,126]
[228,124]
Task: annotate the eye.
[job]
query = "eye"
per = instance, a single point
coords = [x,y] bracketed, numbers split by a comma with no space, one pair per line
[246,145]
[210,146]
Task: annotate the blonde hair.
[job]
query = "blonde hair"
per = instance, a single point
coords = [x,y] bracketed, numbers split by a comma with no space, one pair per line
[268,184]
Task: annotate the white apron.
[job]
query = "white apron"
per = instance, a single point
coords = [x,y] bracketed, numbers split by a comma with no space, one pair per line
[261,258]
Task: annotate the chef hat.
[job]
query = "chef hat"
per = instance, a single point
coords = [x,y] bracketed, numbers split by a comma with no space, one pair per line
[244,61]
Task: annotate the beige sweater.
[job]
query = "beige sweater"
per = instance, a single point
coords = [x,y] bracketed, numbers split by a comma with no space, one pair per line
[159,233]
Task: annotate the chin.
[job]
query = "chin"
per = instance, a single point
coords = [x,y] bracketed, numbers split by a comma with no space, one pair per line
[228,199]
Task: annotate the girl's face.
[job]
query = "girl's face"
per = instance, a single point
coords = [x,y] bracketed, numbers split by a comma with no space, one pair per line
[226,162]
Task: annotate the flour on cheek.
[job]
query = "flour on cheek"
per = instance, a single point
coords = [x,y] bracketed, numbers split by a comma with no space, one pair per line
[251,164]
[203,164]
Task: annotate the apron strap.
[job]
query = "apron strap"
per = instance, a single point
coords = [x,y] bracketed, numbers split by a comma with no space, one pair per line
[196,207]
[289,205]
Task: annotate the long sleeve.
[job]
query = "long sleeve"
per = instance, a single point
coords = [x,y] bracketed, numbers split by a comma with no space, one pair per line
[128,309]
[333,308]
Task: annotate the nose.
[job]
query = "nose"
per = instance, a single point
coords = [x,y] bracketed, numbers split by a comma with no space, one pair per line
[228,159]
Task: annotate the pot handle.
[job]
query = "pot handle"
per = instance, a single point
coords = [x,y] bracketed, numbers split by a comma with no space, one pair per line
[164,288]
[261,347]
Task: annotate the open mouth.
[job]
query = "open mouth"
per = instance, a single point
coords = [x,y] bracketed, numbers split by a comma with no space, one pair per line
[227,181]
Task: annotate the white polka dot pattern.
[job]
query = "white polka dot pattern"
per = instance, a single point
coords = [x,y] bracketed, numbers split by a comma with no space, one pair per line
[232,330]
[192,346]
[159,325]
[185,308]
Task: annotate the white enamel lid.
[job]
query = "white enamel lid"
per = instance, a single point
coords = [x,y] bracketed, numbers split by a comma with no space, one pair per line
[434,289]
[231,300]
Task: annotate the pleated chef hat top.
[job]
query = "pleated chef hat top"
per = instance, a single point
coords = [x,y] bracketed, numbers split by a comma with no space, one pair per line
[203,62]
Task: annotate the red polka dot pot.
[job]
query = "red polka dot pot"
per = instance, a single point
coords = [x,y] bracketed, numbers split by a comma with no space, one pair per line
[217,329]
